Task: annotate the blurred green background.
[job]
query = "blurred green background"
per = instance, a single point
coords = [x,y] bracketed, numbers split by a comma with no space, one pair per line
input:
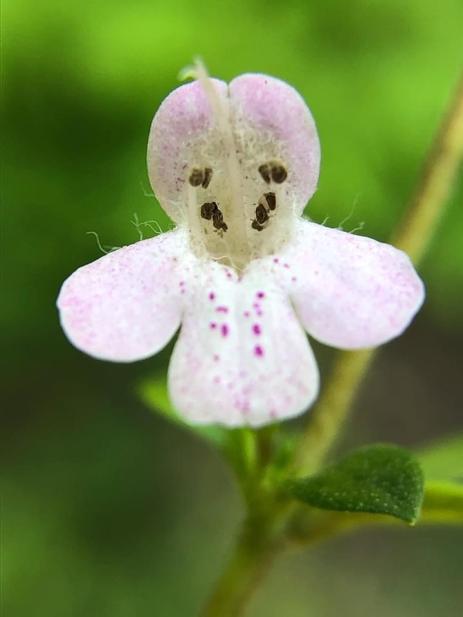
[109,510]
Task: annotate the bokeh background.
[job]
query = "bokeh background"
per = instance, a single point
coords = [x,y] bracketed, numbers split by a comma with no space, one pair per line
[109,510]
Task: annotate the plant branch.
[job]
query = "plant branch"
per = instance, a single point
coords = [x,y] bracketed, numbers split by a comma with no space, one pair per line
[251,558]
[417,229]
[330,414]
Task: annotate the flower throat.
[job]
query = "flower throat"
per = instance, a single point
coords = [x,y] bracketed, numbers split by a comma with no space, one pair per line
[239,205]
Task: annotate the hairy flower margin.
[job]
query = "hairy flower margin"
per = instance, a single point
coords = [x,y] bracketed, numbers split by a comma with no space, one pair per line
[243,273]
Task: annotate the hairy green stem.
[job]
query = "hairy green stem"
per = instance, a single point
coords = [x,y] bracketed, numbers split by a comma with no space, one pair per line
[256,547]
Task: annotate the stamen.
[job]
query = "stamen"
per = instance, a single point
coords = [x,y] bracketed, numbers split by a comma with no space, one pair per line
[208,209]
[270,198]
[264,171]
[217,219]
[207,177]
[261,214]
[279,173]
[196,177]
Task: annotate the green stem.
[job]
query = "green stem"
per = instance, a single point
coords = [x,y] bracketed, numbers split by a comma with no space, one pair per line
[256,549]
[251,558]
[331,412]
[418,227]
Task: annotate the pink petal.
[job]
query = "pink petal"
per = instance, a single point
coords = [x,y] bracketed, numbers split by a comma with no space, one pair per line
[242,357]
[349,291]
[183,120]
[268,119]
[126,305]
[278,110]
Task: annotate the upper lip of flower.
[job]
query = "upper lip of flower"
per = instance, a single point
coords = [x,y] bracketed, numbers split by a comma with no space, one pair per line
[242,356]
[256,144]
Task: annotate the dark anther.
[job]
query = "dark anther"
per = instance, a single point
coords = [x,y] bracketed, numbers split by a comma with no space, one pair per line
[207,177]
[261,214]
[208,210]
[271,200]
[279,173]
[255,225]
[196,177]
[264,171]
[217,219]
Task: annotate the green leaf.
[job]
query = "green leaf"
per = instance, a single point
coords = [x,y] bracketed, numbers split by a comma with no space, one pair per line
[380,479]
[443,460]
[154,394]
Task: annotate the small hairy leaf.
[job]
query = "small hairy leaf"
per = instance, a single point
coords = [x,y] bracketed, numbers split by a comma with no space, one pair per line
[380,479]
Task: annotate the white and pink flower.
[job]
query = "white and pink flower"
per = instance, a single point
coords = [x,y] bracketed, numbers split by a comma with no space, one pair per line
[243,274]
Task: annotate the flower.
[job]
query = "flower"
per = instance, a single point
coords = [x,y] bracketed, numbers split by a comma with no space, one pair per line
[243,273]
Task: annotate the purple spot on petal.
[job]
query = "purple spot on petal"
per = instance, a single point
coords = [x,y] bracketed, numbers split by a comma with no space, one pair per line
[246,313]
[258,351]
[275,260]
[211,295]
[256,329]
[216,357]
[212,325]
[260,294]
[224,329]
[285,265]
[222,309]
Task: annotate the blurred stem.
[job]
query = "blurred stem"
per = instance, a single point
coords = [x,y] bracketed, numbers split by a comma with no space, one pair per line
[413,235]
[265,534]
[252,556]
[440,171]
[330,414]
[250,451]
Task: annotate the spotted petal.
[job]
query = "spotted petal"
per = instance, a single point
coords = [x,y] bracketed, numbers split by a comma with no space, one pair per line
[349,291]
[242,357]
[125,306]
